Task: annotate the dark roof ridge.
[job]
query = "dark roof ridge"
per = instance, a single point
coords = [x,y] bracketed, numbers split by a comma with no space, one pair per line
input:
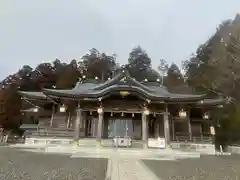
[124,74]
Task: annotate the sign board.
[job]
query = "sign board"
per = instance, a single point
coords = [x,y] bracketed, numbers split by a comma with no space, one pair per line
[122,142]
[212,130]
[157,143]
[124,93]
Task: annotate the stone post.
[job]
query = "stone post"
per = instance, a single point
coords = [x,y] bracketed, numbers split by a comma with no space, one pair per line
[166,127]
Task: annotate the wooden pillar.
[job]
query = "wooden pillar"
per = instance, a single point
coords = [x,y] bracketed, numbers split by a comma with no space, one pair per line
[105,127]
[145,130]
[166,126]
[189,124]
[100,125]
[68,120]
[144,127]
[173,129]
[157,128]
[83,123]
[53,114]
[78,122]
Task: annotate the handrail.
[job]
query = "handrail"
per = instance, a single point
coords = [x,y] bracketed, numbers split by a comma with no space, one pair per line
[194,138]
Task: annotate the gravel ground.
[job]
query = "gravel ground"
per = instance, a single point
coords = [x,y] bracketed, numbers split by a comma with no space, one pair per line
[16,165]
[205,168]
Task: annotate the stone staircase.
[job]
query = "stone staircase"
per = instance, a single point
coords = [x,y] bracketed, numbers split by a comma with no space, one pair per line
[135,143]
[54,132]
[58,129]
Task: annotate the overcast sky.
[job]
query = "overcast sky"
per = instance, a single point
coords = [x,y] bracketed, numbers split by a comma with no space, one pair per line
[35,31]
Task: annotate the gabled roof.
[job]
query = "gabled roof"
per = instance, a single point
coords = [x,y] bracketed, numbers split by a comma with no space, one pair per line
[121,82]
[33,95]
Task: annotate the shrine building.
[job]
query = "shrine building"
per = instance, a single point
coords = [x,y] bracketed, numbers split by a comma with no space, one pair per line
[122,107]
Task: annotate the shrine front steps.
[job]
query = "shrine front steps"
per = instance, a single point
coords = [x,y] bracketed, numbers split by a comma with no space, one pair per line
[108,143]
[54,132]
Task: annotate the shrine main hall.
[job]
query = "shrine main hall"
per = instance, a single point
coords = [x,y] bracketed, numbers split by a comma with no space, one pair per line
[121,107]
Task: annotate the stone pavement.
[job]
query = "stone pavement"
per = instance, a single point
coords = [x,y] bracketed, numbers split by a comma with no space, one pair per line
[161,154]
[128,169]
[204,168]
[123,163]
[127,163]
[16,164]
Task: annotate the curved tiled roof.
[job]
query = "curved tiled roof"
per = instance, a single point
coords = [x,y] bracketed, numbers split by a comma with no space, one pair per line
[33,95]
[121,82]
[155,93]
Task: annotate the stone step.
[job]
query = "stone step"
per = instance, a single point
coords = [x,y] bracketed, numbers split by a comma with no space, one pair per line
[69,149]
[107,143]
[52,135]
[56,132]
[48,140]
[88,142]
[60,132]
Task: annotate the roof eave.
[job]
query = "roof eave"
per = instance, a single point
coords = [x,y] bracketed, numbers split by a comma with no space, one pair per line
[104,93]
[25,94]
[212,102]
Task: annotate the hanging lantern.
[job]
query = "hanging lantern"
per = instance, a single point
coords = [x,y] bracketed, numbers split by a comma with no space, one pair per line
[96,78]
[212,130]
[100,110]
[133,115]
[62,109]
[148,101]
[111,113]
[90,113]
[154,114]
[35,109]
[205,116]
[220,106]
[182,114]
[146,111]
[122,114]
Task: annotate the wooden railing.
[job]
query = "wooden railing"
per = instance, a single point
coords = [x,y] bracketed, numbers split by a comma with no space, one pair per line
[203,138]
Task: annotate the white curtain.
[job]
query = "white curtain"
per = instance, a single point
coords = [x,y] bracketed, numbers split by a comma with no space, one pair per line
[120,127]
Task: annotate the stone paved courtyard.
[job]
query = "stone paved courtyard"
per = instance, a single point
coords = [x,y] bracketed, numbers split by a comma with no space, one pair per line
[22,165]
[204,168]
[16,164]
